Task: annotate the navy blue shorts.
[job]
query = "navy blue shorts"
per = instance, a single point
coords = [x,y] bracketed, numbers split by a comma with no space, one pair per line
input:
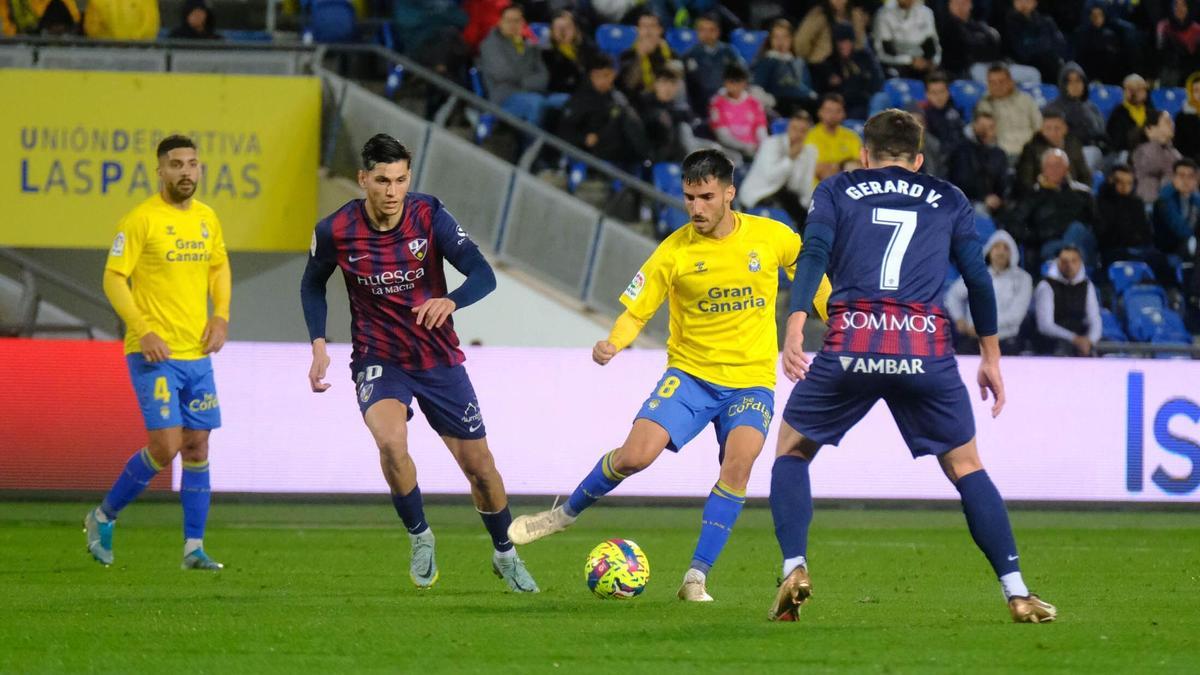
[683,405]
[926,396]
[444,393]
[175,393]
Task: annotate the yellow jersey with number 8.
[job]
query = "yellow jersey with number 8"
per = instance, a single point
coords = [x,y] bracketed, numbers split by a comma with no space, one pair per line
[721,297]
[167,252]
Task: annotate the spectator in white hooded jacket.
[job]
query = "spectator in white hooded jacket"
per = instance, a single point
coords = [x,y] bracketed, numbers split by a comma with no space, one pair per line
[783,171]
[906,39]
[1014,289]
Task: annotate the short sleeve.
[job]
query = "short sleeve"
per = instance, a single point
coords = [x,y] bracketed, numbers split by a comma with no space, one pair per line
[788,245]
[648,289]
[127,244]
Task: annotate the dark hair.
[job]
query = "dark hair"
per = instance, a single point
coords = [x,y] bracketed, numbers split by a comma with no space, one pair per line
[893,135]
[937,76]
[999,67]
[383,149]
[832,96]
[736,72]
[1120,168]
[701,165]
[1070,247]
[982,114]
[667,73]
[1053,115]
[174,142]
[647,12]
[802,114]
[514,6]
[1186,161]
[708,16]
[766,45]
[596,61]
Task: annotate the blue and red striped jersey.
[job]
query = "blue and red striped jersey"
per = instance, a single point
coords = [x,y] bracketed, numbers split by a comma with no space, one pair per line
[387,274]
[893,233]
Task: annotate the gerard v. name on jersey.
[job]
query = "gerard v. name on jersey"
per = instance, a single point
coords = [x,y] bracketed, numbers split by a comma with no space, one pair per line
[873,187]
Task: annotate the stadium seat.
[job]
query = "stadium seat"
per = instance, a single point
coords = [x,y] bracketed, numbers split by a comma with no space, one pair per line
[1170,99]
[855,125]
[985,226]
[1046,267]
[576,173]
[613,38]
[246,35]
[1106,97]
[1124,274]
[1140,303]
[1041,93]
[1111,328]
[1097,181]
[332,21]
[395,79]
[680,40]
[966,94]
[774,214]
[666,178]
[1170,329]
[902,91]
[541,31]
[779,125]
[487,121]
[669,220]
[748,42]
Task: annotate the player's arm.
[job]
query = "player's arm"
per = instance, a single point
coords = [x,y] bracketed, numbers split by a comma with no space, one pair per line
[458,249]
[220,287]
[122,259]
[967,253]
[642,298]
[321,264]
[809,279]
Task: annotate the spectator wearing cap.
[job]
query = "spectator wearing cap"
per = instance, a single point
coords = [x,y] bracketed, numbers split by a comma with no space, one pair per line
[1127,123]
[1017,116]
[854,74]
[783,171]
[1014,290]
[1054,133]
[514,71]
[649,54]
[906,39]
[706,62]
[966,41]
[736,118]
[1067,309]
[782,74]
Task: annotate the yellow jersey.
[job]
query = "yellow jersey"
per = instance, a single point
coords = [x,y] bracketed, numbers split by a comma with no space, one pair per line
[167,253]
[721,298]
[837,147]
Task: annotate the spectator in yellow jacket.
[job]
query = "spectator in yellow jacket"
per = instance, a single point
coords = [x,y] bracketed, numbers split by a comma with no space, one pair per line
[121,19]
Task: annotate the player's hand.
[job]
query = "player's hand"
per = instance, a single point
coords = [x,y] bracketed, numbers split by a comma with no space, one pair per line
[433,312]
[1082,345]
[320,364]
[603,352]
[795,361]
[215,334]
[990,380]
[154,348]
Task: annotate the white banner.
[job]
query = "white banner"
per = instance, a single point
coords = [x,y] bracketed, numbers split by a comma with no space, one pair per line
[1074,429]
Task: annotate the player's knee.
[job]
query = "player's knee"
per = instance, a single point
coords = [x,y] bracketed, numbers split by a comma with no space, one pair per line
[164,451]
[195,451]
[393,449]
[628,461]
[478,465]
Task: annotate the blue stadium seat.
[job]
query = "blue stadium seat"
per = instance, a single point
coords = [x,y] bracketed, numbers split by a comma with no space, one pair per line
[1041,93]
[985,226]
[779,125]
[542,31]
[576,172]
[669,220]
[965,94]
[332,21]
[613,38]
[774,214]
[748,42]
[1106,97]
[902,91]
[395,80]
[1170,99]
[1141,303]
[487,121]
[1124,274]
[855,125]
[680,40]
[666,177]
[1170,329]
[245,35]
[1097,181]
[1046,267]
[1111,331]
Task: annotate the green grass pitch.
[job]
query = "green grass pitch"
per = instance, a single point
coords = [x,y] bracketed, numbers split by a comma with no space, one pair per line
[325,588]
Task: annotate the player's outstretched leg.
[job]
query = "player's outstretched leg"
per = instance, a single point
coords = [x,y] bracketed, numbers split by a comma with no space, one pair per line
[645,443]
[722,509]
[987,518]
[195,495]
[491,501]
[792,511]
[141,468]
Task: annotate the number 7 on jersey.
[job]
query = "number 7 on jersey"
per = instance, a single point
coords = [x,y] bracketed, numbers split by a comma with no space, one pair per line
[905,223]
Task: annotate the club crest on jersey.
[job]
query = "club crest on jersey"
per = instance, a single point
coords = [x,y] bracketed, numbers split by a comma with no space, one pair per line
[755,265]
[204,229]
[418,247]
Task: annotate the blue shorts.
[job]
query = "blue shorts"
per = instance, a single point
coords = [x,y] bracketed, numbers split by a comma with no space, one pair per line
[175,393]
[683,405]
[926,396]
[444,393]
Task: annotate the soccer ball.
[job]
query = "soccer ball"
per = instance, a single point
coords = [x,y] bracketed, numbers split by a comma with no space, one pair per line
[617,568]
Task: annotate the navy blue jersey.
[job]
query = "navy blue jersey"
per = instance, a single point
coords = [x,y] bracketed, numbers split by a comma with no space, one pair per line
[893,232]
[387,274]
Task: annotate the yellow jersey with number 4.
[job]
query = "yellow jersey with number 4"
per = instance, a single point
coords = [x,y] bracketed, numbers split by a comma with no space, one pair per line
[167,254]
[721,297]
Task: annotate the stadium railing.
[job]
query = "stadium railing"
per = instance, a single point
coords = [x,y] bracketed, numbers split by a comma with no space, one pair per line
[34,278]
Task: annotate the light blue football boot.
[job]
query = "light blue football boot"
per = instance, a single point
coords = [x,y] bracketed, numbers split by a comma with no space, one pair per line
[199,560]
[99,537]
[512,570]
[422,567]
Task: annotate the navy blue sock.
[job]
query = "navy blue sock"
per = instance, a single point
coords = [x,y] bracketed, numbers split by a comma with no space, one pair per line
[195,494]
[497,525]
[602,480]
[138,472]
[988,521]
[721,511]
[411,510]
[791,504]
